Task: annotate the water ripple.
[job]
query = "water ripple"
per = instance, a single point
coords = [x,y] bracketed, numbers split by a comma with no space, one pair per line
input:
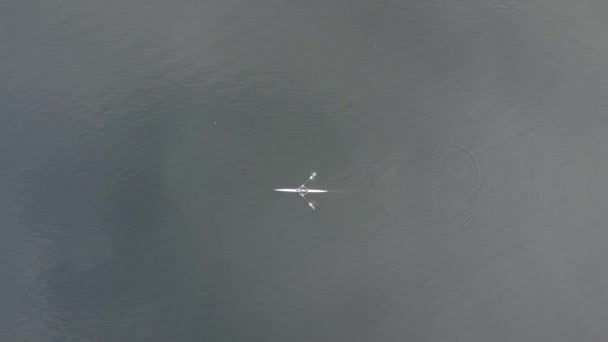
[382,179]
[449,187]
[570,184]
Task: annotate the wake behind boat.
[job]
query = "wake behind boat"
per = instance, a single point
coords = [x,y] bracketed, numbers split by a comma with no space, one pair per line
[303,190]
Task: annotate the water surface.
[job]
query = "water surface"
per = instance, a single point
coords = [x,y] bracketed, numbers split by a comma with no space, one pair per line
[464,144]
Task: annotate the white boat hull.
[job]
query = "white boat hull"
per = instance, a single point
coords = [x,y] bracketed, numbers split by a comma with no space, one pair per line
[303,190]
[313,191]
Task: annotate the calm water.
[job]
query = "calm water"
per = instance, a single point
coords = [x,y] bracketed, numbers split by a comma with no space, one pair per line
[464,144]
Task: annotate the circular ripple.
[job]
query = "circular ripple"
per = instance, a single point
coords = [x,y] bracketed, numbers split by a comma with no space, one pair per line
[446,190]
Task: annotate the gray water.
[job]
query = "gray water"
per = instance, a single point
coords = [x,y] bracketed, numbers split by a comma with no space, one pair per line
[464,145]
